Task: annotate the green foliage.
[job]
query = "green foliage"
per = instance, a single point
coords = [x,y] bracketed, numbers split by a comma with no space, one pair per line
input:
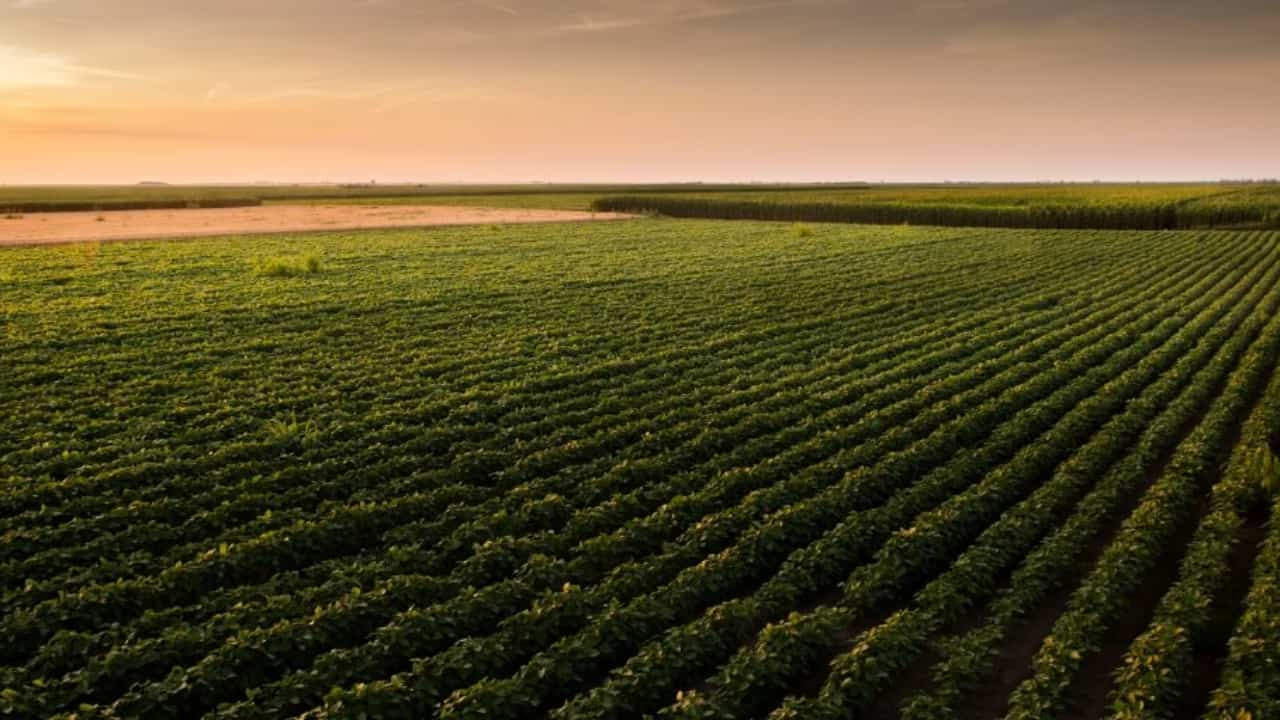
[1264,467]
[880,208]
[288,266]
[290,431]
[682,469]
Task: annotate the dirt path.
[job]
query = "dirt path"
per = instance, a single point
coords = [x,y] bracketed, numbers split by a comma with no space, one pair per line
[53,228]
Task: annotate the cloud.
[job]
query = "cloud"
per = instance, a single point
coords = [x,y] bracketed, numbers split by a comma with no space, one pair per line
[28,4]
[215,92]
[670,14]
[499,7]
[20,67]
[23,68]
[378,98]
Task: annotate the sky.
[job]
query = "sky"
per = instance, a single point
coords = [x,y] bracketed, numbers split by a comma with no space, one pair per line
[121,91]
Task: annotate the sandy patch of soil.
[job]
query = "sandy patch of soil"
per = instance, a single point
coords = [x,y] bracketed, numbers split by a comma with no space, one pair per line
[70,227]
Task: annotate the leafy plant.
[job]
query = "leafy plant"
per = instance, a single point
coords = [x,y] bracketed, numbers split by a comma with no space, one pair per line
[1264,466]
[290,431]
[289,267]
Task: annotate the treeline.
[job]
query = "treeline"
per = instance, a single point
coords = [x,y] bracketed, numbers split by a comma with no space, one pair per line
[1161,216]
[105,205]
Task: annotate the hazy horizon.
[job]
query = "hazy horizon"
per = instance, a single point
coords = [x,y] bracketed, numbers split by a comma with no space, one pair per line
[605,91]
[607,183]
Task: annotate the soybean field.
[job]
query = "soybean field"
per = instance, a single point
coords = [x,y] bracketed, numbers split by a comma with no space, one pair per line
[653,468]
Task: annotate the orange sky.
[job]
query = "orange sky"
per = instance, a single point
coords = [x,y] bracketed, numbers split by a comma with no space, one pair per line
[613,90]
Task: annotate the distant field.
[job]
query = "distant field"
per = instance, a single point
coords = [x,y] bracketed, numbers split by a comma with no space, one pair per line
[555,197]
[1115,206]
[529,201]
[695,468]
[1149,207]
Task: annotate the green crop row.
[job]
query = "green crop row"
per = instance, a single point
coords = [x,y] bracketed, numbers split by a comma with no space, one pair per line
[793,648]
[1140,542]
[923,549]
[1250,683]
[858,676]
[886,419]
[683,468]
[1158,666]
[969,657]
[547,543]
[564,665]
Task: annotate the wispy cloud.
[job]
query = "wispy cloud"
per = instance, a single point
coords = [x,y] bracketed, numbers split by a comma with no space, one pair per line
[499,7]
[98,72]
[379,98]
[670,15]
[20,67]
[23,68]
[218,90]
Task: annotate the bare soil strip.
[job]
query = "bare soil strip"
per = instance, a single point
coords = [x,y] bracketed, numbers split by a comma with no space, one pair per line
[71,227]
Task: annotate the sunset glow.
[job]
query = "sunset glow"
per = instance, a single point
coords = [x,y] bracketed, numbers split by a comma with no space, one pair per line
[607,90]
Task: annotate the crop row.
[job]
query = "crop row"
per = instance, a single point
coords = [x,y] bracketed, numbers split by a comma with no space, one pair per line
[1159,664]
[908,368]
[1250,683]
[904,392]
[1141,541]
[561,667]
[581,472]
[242,503]
[791,649]
[450,415]
[604,593]
[858,676]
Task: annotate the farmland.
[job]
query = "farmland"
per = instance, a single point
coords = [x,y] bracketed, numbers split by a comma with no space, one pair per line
[683,468]
[530,195]
[1137,206]
[1099,206]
